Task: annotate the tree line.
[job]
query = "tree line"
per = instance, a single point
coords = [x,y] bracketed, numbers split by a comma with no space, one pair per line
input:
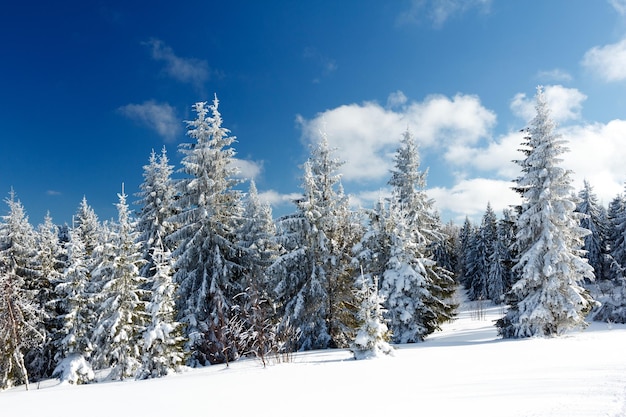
[201,273]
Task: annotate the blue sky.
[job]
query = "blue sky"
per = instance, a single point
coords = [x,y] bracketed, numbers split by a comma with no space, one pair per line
[88,89]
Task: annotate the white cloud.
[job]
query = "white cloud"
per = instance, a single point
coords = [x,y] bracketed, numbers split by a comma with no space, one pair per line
[367,135]
[187,70]
[597,154]
[247,169]
[275,199]
[439,11]
[564,103]
[397,99]
[160,117]
[609,61]
[53,192]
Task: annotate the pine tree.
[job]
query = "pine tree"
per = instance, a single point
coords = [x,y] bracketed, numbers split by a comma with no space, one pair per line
[257,238]
[207,258]
[547,299]
[163,341]
[417,290]
[594,220]
[316,274]
[122,317]
[483,250]
[74,347]
[157,201]
[48,269]
[21,316]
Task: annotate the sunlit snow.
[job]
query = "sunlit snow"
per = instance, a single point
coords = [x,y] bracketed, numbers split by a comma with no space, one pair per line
[464,370]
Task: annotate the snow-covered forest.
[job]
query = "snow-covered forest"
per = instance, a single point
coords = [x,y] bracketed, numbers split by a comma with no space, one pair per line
[196,271]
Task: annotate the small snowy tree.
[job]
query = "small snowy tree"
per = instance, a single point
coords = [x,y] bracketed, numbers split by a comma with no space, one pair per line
[372,336]
[548,299]
[163,341]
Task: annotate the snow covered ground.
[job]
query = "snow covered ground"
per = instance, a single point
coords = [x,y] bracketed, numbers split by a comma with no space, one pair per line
[464,370]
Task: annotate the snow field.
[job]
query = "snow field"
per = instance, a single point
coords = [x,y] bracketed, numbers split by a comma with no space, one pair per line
[464,370]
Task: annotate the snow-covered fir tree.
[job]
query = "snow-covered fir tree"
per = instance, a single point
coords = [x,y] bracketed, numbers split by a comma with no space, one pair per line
[163,341]
[416,289]
[122,316]
[595,220]
[207,257]
[257,238]
[74,345]
[372,337]
[48,269]
[21,315]
[548,298]
[157,202]
[616,216]
[482,251]
[316,274]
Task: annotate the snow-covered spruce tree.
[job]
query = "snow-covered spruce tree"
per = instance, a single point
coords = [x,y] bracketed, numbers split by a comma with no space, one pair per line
[122,316]
[372,336]
[499,271]
[156,199]
[464,245]
[315,276]
[482,251]
[594,220]
[207,258]
[548,299]
[163,341]
[21,316]
[257,238]
[615,238]
[48,268]
[416,289]
[74,346]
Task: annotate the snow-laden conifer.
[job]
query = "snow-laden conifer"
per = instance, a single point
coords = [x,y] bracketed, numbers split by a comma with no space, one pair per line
[416,289]
[21,316]
[163,341]
[372,336]
[207,258]
[595,220]
[157,202]
[315,275]
[48,268]
[548,298]
[255,313]
[74,346]
[121,316]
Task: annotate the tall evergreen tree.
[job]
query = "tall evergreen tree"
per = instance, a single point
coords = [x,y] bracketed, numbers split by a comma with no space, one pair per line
[157,202]
[207,258]
[594,220]
[316,275]
[74,345]
[257,238]
[48,270]
[547,299]
[21,316]
[122,316]
[416,289]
